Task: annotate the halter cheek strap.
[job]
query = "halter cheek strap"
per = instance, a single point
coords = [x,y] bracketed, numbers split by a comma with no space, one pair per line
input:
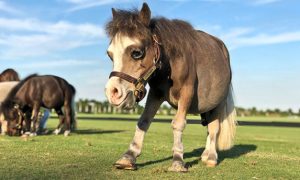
[140,90]
[20,118]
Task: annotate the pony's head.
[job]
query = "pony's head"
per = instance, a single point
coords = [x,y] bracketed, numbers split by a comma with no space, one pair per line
[14,117]
[134,53]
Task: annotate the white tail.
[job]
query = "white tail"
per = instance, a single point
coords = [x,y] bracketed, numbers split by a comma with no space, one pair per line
[227,124]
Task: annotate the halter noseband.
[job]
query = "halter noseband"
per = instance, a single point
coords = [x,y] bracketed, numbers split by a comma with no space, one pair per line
[140,90]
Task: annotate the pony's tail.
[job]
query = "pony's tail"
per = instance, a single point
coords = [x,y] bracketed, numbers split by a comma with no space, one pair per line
[73,108]
[227,124]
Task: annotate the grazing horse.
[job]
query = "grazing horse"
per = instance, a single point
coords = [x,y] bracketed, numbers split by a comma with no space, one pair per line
[9,75]
[189,69]
[5,88]
[33,92]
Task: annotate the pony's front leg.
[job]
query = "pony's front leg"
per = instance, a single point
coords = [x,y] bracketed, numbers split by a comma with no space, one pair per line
[27,123]
[178,125]
[127,161]
[35,113]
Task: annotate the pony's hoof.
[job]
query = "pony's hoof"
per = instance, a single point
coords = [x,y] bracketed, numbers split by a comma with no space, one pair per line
[33,134]
[212,160]
[66,133]
[211,163]
[56,131]
[177,167]
[204,156]
[25,136]
[125,163]
[204,159]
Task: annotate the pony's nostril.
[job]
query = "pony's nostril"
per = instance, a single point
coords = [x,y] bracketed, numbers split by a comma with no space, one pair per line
[116,93]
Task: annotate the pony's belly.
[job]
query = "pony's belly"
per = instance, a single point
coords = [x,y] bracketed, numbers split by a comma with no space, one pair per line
[196,107]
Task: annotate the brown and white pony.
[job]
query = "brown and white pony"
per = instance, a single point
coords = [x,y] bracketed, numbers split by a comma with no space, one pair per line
[189,69]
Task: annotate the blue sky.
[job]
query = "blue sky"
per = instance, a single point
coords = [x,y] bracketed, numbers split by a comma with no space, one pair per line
[67,38]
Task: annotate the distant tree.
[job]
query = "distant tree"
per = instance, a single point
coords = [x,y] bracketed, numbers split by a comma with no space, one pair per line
[290,112]
[253,111]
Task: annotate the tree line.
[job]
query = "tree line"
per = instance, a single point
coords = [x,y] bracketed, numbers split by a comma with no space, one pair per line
[98,107]
[268,112]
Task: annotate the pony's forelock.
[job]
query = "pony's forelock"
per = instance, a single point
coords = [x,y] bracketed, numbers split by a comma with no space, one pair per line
[127,23]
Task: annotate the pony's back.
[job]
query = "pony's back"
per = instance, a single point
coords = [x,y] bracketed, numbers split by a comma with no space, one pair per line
[5,88]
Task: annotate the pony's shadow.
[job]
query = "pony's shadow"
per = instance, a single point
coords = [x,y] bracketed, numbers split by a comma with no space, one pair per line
[96,131]
[235,152]
[85,131]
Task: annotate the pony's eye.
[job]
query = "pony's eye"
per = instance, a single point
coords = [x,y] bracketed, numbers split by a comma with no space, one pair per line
[137,54]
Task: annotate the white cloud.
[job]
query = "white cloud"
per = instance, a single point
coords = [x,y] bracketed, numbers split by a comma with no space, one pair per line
[247,36]
[262,39]
[242,37]
[85,4]
[263,2]
[57,64]
[7,8]
[31,37]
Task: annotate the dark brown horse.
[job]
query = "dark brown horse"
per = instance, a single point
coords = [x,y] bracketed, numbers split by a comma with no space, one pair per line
[189,69]
[9,75]
[25,100]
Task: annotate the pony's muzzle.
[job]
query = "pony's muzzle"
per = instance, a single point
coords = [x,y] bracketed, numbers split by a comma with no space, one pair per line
[119,94]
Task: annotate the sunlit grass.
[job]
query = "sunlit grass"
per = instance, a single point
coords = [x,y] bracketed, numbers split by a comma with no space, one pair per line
[260,152]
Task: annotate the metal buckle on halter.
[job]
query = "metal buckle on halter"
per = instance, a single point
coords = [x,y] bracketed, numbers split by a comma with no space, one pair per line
[140,90]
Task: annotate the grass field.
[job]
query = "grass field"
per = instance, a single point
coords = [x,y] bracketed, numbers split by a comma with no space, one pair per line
[259,153]
[195,117]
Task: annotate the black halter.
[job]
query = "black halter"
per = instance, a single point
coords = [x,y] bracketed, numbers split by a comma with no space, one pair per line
[140,90]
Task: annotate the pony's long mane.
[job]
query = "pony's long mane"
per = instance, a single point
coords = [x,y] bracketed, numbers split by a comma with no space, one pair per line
[176,36]
[13,92]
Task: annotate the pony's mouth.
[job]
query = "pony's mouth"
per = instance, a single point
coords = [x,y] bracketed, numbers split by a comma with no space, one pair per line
[128,102]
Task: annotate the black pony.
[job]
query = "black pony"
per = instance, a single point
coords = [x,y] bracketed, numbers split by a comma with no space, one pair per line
[24,102]
[9,75]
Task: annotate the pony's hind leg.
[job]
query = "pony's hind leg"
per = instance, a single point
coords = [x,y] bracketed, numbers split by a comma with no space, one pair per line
[221,130]
[127,161]
[68,114]
[210,156]
[61,121]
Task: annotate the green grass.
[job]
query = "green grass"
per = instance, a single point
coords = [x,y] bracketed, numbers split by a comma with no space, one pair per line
[260,153]
[195,117]
[270,119]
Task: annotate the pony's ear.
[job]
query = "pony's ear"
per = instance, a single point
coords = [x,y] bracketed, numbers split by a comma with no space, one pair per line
[145,14]
[114,12]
